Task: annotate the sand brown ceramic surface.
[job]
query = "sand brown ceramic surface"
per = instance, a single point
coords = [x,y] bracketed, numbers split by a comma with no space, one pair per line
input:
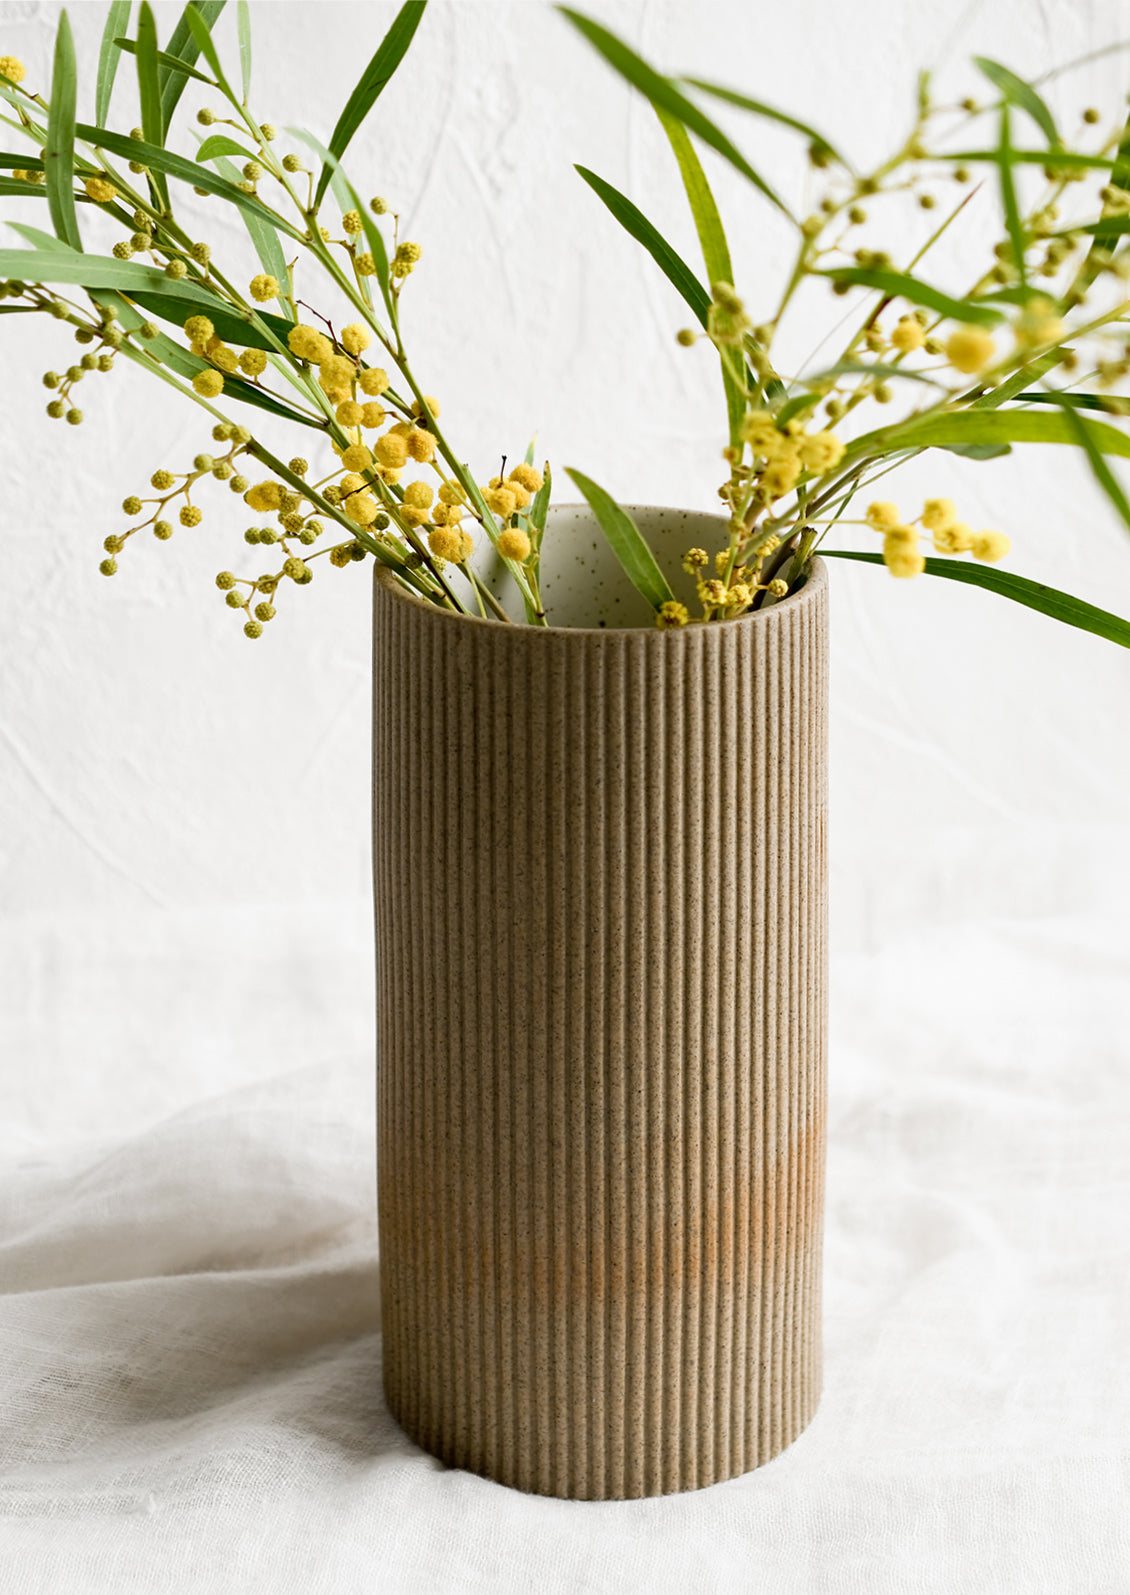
[600,876]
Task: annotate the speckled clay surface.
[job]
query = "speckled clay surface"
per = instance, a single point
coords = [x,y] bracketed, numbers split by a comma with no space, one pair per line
[601,941]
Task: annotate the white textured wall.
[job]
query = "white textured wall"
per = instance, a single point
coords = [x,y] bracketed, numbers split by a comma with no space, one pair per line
[183,849]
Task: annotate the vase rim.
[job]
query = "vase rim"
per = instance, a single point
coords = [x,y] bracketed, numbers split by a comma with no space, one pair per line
[810,589]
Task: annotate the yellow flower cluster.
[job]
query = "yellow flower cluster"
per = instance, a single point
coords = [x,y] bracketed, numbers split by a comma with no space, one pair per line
[783,454]
[901,553]
[12,68]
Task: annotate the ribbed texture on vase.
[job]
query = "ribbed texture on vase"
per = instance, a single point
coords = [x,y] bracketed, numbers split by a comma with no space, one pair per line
[601,945]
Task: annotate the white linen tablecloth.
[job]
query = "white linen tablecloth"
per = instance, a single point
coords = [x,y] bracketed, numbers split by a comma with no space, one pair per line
[190,1394]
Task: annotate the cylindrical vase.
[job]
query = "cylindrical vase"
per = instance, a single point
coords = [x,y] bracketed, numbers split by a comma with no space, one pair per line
[601,908]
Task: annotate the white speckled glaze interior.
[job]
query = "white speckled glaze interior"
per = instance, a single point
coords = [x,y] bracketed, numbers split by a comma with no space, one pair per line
[583,584]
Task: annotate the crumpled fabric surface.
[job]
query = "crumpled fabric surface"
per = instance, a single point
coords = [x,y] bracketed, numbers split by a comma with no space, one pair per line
[190,1394]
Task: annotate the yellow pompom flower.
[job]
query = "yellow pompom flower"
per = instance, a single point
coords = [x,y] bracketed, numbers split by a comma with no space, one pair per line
[355,338]
[500,500]
[225,358]
[939,514]
[990,546]
[349,413]
[412,516]
[526,476]
[362,509]
[209,384]
[521,496]
[264,287]
[515,545]
[373,382]
[954,538]
[263,496]
[309,344]
[902,558]
[432,403]
[13,68]
[352,483]
[448,542]
[881,515]
[357,457]
[373,415]
[820,452]
[671,615]
[452,493]
[391,451]
[969,349]
[780,475]
[253,362]
[908,335]
[97,188]
[419,495]
[336,372]
[760,431]
[199,329]
[421,446]
[901,536]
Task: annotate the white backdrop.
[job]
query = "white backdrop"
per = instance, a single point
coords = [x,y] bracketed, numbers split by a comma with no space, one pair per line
[184,854]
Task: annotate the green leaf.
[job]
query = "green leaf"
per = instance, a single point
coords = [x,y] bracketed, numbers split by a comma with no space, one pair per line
[1068,160]
[876,368]
[169,61]
[1103,474]
[183,47]
[898,285]
[671,264]
[760,109]
[712,241]
[264,238]
[540,506]
[1020,94]
[1034,595]
[665,96]
[376,75]
[243,22]
[231,328]
[97,271]
[626,541]
[10,162]
[796,406]
[201,30]
[348,199]
[38,239]
[19,310]
[978,451]
[59,151]
[986,426]
[18,189]
[1077,401]
[186,172]
[221,144]
[1008,194]
[117,21]
[149,93]
[1012,385]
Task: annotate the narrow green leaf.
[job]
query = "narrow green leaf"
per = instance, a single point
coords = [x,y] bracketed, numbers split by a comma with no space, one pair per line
[978,451]
[797,406]
[149,93]
[243,21]
[184,47]
[221,144]
[1104,476]
[97,271]
[186,172]
[231,328]
[376,75]
[38,239]
[1018,294]
[875,368]
[665,96]
[1034,595]
[117,21]
[671,264]
[899,285]
[19,310]
[712,241]
[1008,194]
[1077,401]
[626,541]
[263,237]
[759,109]
[168,61]
[29,163]
[1011,386]
[985,426]
[540,506]
[1067,160]
[59,151]
[1020,94]
[201,30]
[348,200]
[21,190]
[1111,227]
